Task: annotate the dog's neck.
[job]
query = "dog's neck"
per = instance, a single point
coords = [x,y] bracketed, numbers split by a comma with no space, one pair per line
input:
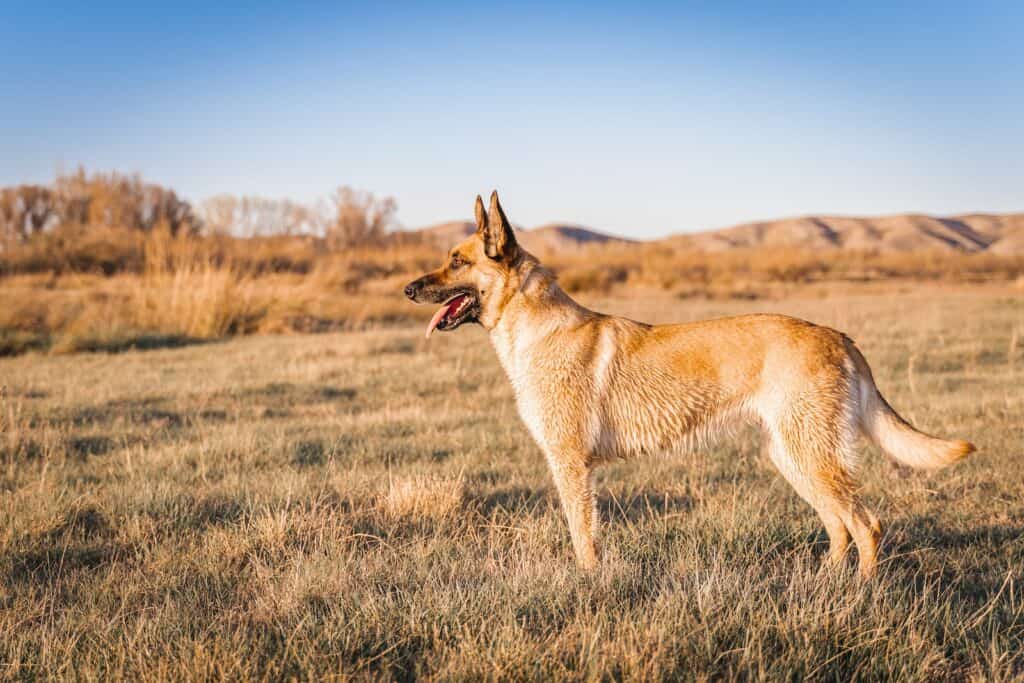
[536,310]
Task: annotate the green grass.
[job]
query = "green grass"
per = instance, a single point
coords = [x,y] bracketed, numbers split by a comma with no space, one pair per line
[368,505]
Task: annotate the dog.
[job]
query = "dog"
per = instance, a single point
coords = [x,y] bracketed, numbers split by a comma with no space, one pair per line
[592,387]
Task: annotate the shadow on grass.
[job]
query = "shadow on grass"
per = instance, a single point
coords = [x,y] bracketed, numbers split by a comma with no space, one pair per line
[641,505]
[914,534]
[286,394]
[18,342]
[82,447]
[611,508]
[151,411]
[46,565]
[127,342]
[81,540]
[309,454]
[169,413]
[512,500]
[187,513]
[999,546]
[136,411]
[76,447]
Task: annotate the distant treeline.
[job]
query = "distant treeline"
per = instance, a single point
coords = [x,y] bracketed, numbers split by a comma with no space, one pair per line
[107,262]
[109,223]
[95,221]
[102,199]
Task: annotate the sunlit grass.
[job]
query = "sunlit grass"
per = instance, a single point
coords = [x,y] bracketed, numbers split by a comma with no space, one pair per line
[367,504]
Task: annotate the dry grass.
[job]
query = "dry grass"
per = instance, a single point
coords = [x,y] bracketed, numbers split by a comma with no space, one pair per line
[423,497]
[742,273]
[107,289]
[194,290]
[367,505]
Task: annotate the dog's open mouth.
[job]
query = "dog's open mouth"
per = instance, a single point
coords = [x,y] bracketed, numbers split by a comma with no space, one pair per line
[454,312]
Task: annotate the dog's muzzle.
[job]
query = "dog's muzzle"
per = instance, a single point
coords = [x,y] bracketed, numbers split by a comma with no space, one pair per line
[413,288]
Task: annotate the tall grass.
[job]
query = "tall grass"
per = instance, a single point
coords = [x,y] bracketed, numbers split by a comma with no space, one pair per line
[97,289]
[182,294]
[678,268]
[181,288]
[184,291]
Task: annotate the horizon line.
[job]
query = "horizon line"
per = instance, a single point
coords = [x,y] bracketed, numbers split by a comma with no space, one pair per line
[789,217]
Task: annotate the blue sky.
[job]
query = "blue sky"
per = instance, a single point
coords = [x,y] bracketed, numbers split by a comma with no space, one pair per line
[640,119]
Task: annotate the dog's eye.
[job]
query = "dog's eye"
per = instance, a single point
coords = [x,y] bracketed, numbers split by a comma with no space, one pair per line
[457,262]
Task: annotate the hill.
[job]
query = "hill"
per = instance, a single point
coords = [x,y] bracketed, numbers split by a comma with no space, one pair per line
[549,237]
[899,233]
[998,233]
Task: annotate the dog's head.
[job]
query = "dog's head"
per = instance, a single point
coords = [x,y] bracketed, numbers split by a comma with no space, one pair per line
[473,283]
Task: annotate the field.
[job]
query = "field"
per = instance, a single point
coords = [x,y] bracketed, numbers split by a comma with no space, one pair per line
[366,504]
[101,288]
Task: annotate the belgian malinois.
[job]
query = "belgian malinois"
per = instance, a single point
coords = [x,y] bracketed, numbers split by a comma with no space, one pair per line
[591,387]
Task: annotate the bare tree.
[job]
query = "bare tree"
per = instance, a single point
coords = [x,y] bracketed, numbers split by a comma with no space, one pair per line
[218,214]
[359,218]
[349,217]
[260,217]
[119,201]
[26,210]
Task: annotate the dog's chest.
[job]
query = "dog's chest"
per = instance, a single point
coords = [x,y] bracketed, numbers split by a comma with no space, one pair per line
[521,367]
[554,388]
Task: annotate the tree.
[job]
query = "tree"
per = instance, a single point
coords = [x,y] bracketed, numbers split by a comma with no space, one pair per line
[218,214]
[249,216]
[359,218]
[118,201]
[26,210]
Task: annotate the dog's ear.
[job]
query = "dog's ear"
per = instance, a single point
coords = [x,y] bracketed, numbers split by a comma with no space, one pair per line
[481,217]
[494,229]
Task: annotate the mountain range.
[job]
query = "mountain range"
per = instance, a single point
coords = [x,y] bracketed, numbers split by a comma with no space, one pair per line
[993,233]
[552,236]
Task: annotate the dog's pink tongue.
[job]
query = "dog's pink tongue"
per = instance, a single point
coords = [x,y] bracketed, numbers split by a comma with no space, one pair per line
[447,308]
[436,319]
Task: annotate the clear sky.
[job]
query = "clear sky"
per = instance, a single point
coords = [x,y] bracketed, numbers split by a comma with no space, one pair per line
[640,119]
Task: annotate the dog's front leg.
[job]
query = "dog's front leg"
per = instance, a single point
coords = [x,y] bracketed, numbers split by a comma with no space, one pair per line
[574,481]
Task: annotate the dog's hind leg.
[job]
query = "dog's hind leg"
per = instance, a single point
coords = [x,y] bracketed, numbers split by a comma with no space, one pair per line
[575,483]
[811,451]
[838,535]
[827,507]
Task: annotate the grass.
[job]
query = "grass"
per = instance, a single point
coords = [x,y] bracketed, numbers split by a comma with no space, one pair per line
[367,505]
[92,288]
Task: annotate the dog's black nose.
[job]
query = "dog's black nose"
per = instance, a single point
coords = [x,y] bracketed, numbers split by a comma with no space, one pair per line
[410,290]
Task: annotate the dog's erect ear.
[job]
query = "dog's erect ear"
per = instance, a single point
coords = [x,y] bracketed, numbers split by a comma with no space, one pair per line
[494,229]
[481,217]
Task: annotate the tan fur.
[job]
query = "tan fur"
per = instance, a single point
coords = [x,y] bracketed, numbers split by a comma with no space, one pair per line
[592,387]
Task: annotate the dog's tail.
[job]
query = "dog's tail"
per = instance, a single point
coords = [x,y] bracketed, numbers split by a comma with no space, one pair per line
[894,435]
